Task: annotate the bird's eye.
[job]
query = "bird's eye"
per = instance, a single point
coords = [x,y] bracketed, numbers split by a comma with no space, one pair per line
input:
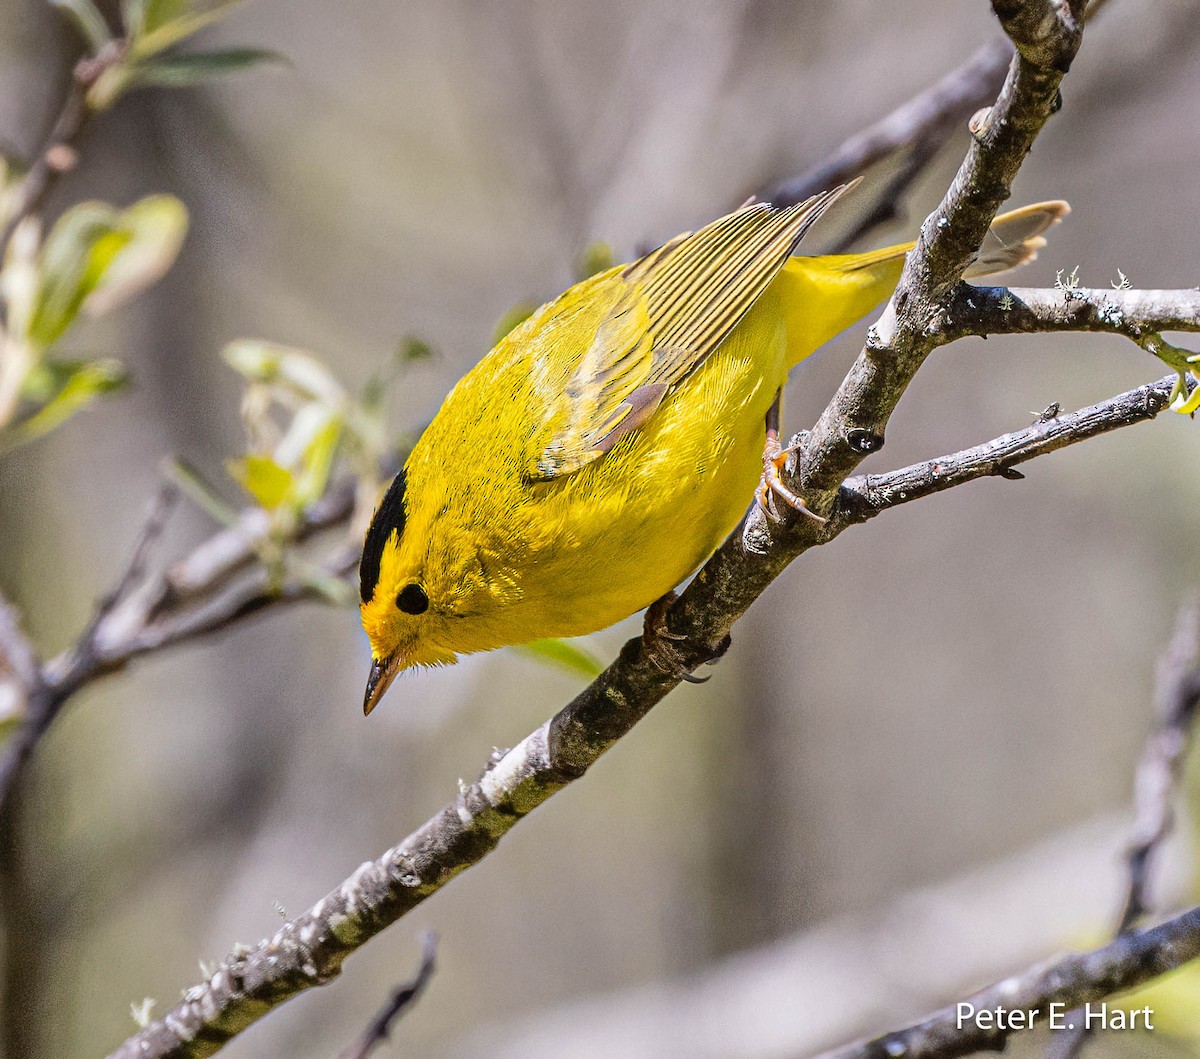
[412,600]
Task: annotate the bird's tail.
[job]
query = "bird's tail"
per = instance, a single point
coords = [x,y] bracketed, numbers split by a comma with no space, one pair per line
[822,296]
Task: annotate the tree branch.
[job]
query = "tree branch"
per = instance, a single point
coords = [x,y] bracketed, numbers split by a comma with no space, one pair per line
[922,127]
[217,585]
[49,687]
[982,311]
[310,950]
[57,155]
[404,997]
[1161,767]
[1177,693]
[1071,981]
[863,497]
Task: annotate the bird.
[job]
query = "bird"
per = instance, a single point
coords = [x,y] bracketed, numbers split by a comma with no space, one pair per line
[604,448]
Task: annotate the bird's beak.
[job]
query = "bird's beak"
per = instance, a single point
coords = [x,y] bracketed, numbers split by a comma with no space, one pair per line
[383,672]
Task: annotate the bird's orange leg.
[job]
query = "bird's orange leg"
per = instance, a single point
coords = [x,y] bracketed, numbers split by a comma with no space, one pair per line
[774,460]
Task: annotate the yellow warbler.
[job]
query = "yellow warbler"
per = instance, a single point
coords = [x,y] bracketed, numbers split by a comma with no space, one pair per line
[605,447]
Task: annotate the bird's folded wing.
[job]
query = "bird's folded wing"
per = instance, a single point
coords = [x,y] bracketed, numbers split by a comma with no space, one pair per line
[678,303]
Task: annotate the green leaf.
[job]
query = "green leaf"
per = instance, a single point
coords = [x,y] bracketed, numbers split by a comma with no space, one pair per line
[258,361]
[133,15]
[332,589]
[301,372]
[158,24]
[518,314]
[263,479]
[317,463]
[565,654]
[200,491]
[156,226]
[596,257]
[65,387]
[114,81]
[96,256]
[413,349]
[184,71]
[88,21]
[78,249]
[50,377]
[1185,405]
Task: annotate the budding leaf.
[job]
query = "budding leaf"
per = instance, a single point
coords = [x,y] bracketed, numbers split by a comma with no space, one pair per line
[518,314]
[263,479]
[565,655]
[63,388]
[155,25]
[184,71]
[97,256]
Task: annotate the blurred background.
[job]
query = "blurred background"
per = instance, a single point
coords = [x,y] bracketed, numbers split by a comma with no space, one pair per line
[910,774]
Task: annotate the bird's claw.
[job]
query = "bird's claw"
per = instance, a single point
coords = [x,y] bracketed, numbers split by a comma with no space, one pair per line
[659,643]
[771,484]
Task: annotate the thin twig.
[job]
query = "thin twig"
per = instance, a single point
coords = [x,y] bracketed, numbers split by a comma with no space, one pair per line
[1066,983]
[57,155]
[54,684]
[1177,695]
[231,551]
[865,496]
[381,1025]
[923,125]
[1159,772]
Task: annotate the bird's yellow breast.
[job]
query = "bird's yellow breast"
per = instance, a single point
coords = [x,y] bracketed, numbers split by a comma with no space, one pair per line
[635,524]
[574,554]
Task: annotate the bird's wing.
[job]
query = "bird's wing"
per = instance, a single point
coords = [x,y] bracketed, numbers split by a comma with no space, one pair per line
[678,303]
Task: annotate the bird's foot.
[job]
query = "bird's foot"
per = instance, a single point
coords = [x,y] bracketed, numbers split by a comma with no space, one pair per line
[662,646]
[771,484]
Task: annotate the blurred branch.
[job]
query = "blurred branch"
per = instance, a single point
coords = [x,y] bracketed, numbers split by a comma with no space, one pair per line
[231,551]
[57,156]
[1159,772]
[1177,694]
[381,1025]
[1071,981]
[878,966]
[921,127]
[47,689]
[199,595]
